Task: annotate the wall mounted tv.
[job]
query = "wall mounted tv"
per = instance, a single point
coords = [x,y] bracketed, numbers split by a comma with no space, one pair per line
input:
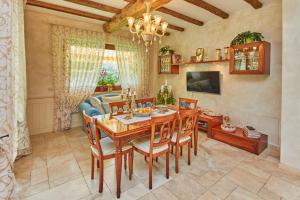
[205,81]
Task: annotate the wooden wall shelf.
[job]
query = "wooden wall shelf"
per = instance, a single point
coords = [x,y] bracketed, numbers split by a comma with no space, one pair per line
[207,61]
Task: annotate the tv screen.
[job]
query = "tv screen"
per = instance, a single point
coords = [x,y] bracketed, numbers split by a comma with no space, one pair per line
[203,82]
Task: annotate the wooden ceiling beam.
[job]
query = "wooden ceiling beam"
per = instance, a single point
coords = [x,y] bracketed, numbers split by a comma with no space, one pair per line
[180,16]
[174,27]
[96,5]
[67,10]
[254,3]
[133,10]
[209,7]
[175,14]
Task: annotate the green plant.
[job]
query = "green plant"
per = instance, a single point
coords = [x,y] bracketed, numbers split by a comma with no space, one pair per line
[166,50]
[247,37]
[107,78]
[161,97]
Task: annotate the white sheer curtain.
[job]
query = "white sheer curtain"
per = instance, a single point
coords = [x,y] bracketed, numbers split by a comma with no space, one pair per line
[77,60]
[14,136]
[133,64]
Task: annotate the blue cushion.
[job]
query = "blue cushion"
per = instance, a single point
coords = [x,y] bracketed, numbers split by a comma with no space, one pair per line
[148,104]
[184,105]
[84,106]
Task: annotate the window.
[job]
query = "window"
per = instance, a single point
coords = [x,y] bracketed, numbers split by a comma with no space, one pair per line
[109,70]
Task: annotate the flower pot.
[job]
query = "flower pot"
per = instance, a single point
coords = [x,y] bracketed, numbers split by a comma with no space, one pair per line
[101,88]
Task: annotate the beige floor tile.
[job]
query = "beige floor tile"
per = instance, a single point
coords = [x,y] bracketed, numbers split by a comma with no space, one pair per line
[148,196]
[163,193]
[210,178]
[103,196]
[246,180]
[208,196]
[283,188]
[223,188]
[75,189]
[135,192]
[242,194]
[184,187]
[29,190]
[266,194]
[39,175]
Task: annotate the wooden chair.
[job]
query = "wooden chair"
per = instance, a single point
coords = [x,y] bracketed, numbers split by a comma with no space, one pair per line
[158,144]
[120,105]
[102,149]
[144,101]
[187,104]
[183,136]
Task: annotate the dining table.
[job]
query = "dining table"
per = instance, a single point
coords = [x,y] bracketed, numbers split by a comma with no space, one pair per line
[121,133]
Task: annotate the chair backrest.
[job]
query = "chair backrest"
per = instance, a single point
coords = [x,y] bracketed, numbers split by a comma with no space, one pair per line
[187,104]
[166,126]
[92,132]
[120,106]
[187,122]
[145,101]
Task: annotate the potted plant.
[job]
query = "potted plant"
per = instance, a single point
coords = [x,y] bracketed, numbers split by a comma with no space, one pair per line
[107,82]
[247,37]
[166,50]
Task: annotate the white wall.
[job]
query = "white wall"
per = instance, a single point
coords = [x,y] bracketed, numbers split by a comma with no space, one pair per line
[290,121]
[248,99]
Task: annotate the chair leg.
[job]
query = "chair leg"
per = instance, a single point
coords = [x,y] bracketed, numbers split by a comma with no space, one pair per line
[172,149]
[192,141]
[189,152]
[97,163]
[156,159]
[125,161]
[177,159]
[92,165]
[145,158]
[150,171]
[167,165]
[181,151]
[130,161]
[101,168]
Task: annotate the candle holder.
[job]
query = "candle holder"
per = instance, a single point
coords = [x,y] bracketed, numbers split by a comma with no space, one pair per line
[129,97]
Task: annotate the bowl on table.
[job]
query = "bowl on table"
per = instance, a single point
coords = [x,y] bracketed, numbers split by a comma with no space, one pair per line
[142,112]
[162,108]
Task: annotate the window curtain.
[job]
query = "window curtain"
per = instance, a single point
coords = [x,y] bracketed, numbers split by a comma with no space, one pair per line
[77,60]
[14,136]
[133,64]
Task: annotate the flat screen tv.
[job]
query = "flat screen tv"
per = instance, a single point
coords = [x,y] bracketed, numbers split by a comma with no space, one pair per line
[208,82]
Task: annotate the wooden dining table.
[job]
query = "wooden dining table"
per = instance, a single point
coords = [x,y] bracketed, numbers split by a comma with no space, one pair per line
[121,133]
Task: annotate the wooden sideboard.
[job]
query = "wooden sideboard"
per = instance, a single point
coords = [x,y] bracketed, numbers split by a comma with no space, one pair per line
[209,121]
[240,140]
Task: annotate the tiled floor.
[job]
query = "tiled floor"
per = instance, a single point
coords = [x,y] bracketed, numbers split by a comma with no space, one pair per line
[59,168]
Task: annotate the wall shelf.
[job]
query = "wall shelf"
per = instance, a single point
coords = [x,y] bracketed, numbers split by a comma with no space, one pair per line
[207,61]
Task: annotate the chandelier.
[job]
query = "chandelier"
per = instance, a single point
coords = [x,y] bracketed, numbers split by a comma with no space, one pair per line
[147,27]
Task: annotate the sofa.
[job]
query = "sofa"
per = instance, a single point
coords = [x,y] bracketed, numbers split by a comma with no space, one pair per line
[95,106]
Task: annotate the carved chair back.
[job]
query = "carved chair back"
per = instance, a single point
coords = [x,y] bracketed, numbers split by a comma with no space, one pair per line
[187,104]
[92,132]
[145,102]
[165,125]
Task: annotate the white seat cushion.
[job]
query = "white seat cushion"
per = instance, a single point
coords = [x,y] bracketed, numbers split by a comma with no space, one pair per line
[181,140]
[143,144]
[108,147]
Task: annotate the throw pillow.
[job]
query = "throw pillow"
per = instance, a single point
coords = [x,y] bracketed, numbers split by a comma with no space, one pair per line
[97,104]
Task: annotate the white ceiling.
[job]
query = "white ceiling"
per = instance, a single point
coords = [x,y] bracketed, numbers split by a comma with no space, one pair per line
[229,6]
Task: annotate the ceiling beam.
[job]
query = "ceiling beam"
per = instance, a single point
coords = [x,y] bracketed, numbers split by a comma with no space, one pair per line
[133,10]
[67,10]
[99,6]
[175,14]
[254,3]
[180,16]
[174,27]
[209,7]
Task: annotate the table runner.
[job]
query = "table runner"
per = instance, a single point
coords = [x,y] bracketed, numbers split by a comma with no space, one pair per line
[135,119]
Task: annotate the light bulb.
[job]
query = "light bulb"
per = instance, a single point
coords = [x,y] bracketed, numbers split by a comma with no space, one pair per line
[147,18]
[153,28]
[137,26]
[157,19]
[164,26]
[130,21]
